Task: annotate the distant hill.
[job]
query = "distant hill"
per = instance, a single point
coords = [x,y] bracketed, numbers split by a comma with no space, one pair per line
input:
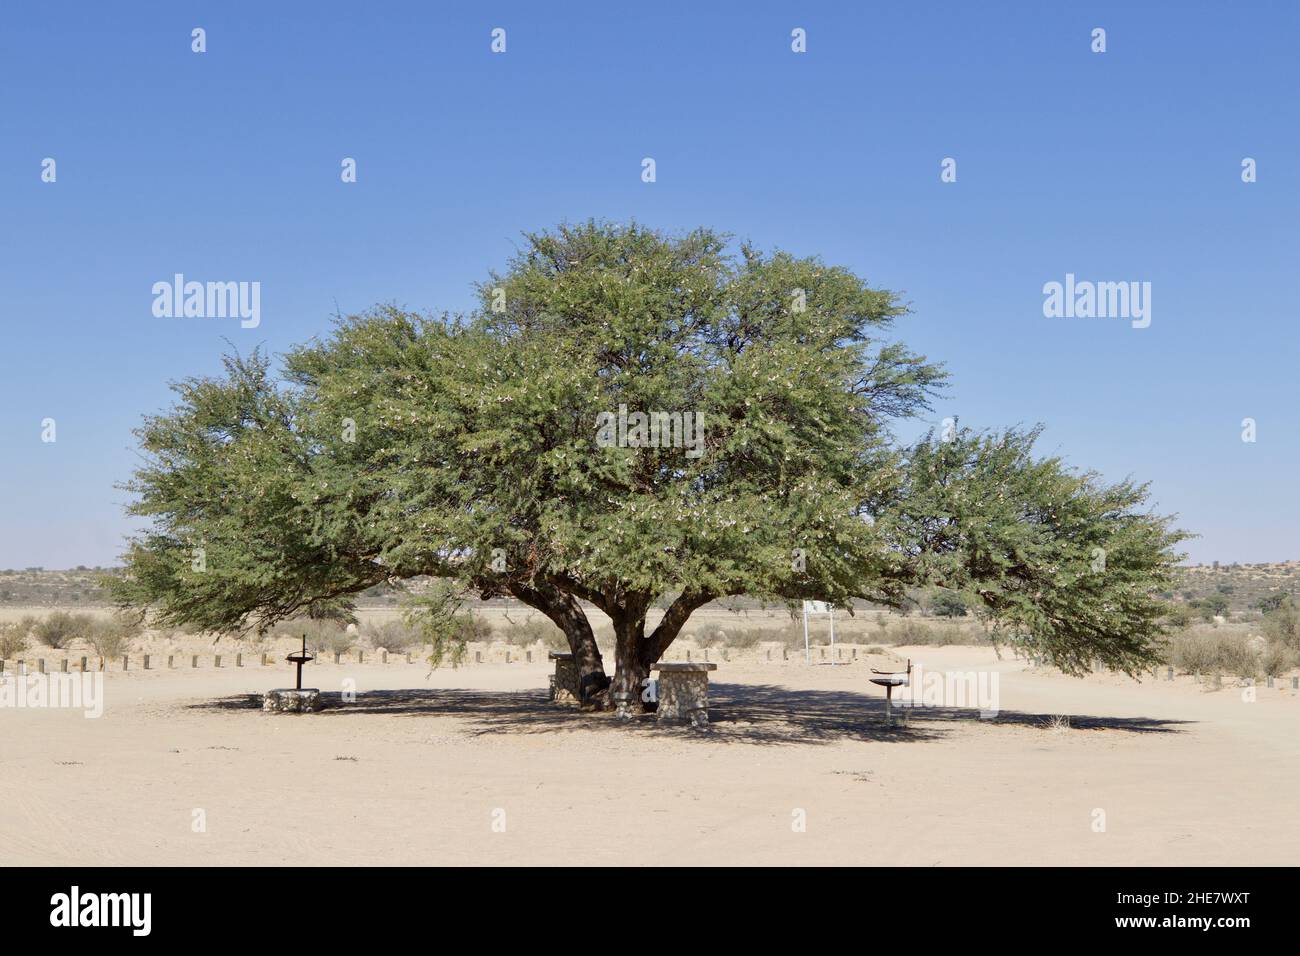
[37,587]
[1241,586]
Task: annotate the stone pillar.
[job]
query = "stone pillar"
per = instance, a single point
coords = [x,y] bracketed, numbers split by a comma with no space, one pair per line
[684,692]
[564,683]
[287,700]
[623,701]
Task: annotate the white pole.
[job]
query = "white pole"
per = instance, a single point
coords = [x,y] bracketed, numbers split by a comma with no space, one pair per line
[832,613]
[807,654]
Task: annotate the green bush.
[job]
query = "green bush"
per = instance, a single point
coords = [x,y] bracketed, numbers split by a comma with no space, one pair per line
[1205,651]
[60,629]
[1277,659]
[910,631]
[945,603]
[470,627]
[396,636]
[1282,625]
[750,637]
[323,637]
[539,628]
[113,637]
[13,640]
[709,635]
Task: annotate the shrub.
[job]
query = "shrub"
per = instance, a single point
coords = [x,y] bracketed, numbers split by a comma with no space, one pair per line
[909,631]
[532,630]
[749,637]
[470,627]
[945,603]
[112,637]
[323,637]
[392,635]
[710,635]
[1201,650]
[13,640]
[1277,659]
[1282,625]
[60,628]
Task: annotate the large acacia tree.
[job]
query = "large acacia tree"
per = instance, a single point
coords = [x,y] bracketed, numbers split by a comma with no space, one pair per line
[469,447]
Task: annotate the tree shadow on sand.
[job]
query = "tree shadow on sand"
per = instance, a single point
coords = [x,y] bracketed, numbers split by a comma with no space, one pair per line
[738,713]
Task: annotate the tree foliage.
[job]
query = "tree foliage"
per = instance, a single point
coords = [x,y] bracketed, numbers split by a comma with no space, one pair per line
[465,448]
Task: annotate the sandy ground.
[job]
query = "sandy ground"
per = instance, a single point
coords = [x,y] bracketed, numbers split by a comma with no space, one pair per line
[474,766]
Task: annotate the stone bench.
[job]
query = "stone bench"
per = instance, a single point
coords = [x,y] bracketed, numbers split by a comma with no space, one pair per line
[287,700]
[683,692]
[564,682]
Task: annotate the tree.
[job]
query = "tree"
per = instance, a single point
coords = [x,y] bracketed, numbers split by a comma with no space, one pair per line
[1271,602]
[1213,604]
[1282,624]
[945,603]
[490,449]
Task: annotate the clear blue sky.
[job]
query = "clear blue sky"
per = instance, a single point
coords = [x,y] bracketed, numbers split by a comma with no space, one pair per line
[225,166]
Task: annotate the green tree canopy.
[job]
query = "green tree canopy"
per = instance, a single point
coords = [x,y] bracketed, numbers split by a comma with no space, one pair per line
[488,449]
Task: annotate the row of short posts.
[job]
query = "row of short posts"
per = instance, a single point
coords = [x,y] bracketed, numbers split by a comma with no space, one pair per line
[147,661]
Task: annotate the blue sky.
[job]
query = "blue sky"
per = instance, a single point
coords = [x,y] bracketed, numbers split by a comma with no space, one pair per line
[1124,165]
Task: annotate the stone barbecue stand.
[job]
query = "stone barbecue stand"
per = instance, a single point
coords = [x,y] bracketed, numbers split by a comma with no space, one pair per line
[564,683]
[684,692]
[287,700]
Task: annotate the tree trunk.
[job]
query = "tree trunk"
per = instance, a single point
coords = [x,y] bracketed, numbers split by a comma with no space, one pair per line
[593,685]
[630,666]
[567,614]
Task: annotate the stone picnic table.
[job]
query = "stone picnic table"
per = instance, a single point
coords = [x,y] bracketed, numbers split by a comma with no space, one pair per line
[684,692]
[683,688]
[564,682]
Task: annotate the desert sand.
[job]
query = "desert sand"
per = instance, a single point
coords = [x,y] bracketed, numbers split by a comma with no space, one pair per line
[475,766]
